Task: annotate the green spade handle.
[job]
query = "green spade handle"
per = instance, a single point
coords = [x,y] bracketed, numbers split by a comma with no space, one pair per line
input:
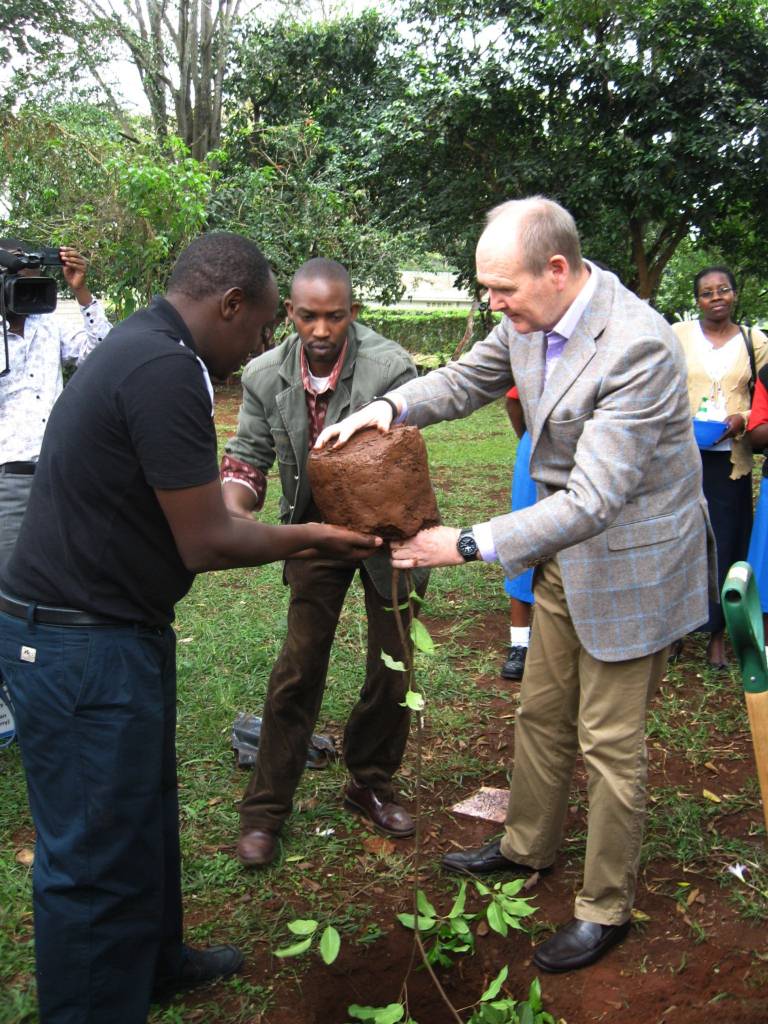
[744,618]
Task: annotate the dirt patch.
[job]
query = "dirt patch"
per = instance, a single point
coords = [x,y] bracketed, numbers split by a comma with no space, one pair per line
[228,398]
[690,958]
[656,975]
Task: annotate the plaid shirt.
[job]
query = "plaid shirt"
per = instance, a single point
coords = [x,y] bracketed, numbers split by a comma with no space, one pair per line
[317,408]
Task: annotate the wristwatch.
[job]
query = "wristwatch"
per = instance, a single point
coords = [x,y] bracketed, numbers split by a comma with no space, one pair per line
[467,545]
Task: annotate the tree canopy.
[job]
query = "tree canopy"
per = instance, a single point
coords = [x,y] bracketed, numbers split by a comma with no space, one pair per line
[646,120]
[380,137]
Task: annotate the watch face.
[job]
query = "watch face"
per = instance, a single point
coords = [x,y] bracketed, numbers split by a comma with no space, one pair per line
[467,546]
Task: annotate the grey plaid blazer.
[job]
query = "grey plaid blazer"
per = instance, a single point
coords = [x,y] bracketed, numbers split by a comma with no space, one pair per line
[616,467]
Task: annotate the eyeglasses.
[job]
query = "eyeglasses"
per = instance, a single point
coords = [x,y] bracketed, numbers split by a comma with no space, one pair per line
[710,293]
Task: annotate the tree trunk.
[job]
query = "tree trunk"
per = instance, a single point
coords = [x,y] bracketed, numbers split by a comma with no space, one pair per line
[650,262]
[180,49]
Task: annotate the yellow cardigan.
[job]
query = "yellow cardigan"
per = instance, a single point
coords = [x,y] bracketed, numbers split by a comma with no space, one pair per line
[735,385]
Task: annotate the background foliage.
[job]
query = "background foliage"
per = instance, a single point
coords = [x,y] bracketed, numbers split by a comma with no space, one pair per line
[380,137]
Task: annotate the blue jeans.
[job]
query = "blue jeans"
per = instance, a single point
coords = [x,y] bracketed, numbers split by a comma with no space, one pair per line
[96,721]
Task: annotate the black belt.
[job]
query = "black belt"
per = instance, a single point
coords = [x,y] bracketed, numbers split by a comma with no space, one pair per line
[18,468]
[44,613]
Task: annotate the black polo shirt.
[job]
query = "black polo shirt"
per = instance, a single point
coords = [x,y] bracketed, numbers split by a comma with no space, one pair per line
[136,416]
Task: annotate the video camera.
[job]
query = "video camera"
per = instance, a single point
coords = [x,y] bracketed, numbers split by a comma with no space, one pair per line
[22,294]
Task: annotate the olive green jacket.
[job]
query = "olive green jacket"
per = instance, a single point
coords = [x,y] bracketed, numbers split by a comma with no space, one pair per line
[273,422]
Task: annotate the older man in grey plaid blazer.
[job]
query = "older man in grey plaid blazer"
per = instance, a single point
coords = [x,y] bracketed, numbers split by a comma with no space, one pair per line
[620,536]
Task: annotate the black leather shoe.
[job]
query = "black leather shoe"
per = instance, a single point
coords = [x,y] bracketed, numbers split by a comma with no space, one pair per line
[515,663]
[675,651]
[484,860]
[199,966]
[578,944]
[385,815]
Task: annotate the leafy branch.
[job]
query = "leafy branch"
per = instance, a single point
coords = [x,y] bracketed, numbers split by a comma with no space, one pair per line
[328,946]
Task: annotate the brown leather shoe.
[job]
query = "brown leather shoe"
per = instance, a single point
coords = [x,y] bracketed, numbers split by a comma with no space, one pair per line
[387,817]
[257,848]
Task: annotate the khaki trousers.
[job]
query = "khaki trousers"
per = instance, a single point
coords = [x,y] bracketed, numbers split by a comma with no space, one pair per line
[570,701]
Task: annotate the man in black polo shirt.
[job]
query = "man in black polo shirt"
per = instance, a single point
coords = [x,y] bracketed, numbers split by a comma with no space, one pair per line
[126,507]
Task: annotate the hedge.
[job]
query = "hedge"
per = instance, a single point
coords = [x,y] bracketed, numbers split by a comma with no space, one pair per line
[423,332]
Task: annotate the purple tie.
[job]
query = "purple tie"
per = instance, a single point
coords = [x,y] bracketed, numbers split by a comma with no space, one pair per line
[555,345]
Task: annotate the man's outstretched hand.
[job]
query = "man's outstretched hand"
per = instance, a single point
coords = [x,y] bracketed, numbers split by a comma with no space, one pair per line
[338,542]
[427,549]
[376,414]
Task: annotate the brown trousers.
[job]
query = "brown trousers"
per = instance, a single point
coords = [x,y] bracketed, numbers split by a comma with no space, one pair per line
[377,729]
[570,701]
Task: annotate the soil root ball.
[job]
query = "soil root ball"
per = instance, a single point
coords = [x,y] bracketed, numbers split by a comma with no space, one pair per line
[376,483]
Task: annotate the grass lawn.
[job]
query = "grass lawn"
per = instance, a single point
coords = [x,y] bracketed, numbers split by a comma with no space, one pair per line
[704,811]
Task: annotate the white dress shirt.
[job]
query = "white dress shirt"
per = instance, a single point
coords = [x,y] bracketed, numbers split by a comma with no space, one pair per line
[35,381]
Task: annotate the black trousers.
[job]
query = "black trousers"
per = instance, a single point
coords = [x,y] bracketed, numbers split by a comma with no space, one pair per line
[377,729]
[96,717]
[730,512]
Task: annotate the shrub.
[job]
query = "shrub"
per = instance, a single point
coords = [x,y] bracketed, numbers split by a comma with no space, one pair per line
[434,332]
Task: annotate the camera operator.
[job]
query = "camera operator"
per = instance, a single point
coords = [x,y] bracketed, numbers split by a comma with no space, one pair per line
[39,346]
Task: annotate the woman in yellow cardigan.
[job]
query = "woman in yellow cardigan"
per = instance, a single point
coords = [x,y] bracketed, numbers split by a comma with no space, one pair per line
[719,370]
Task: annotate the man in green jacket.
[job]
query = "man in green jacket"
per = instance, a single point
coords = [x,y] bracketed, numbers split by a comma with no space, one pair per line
[327,369]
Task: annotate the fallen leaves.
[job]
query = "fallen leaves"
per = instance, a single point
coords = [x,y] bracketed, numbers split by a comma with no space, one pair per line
[378,846]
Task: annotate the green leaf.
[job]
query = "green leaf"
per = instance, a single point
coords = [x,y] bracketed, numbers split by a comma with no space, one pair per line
[495,987]
[459,925]
[513,922]
[413,700]
[517,908]
[390,1014]
[526,1017]
[493,1013]
[330,944]
[296,950]
[422,641]
[496,919]
[458,905]
[389,661]
[302,927]
[513,888]
[424,906]
[534,995]
[425,923]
